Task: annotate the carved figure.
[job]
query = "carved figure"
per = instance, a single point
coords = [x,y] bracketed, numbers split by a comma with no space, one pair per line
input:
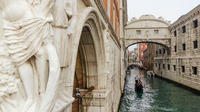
[65,18]
[28,35]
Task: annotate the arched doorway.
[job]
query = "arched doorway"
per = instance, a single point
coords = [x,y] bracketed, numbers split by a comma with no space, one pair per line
[88,44]
[86,76]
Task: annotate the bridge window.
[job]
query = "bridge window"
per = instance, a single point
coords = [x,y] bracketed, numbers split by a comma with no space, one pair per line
[138,32]
[175,34]
[184,29]
[160,51]
[174,67]
[159,66]
[183,68]
[168,66]
[174,48]
[184,46]
[195,43]
[194,70]
[156,31]
[195,23]
[163,50]
[163,66]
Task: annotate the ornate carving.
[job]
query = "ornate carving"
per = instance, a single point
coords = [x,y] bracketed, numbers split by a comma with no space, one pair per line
[29,71]
[65,18]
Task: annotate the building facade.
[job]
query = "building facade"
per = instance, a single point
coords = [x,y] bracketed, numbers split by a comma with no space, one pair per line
[112,8]
[149,55]
[142,48]
[130,56]
[76,53]
[181,64]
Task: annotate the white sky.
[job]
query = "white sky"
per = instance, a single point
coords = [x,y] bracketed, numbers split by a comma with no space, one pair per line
[170,10]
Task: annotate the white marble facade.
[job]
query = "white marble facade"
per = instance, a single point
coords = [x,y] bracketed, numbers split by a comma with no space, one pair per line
[39,40]
[30,67]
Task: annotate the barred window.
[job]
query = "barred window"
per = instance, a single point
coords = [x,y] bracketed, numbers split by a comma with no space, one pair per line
[184,46]
[183,68]
[195,43]
[195,23]
[184,29]
[174,48]
[194,70]
[174,67]
[168,66]
[175,33]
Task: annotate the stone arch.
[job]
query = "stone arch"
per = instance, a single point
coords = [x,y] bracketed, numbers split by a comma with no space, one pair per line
[88,46]
[153,42]
[166,46]
[90,20]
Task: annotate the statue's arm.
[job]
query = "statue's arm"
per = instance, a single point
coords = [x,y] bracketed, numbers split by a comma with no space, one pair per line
[74,17]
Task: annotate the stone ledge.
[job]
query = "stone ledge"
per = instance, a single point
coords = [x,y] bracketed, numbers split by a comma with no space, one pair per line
[94,98]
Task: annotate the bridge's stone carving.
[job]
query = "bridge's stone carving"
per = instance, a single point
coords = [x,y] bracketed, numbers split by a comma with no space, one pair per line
[147,29]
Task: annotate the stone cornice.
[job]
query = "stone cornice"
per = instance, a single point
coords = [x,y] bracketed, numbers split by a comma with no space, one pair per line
[183,19]
[147,28]
[179,57]
[106,18]
[138,20]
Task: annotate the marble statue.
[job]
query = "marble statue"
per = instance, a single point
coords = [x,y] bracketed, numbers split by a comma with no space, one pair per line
[29,67]
[65,18]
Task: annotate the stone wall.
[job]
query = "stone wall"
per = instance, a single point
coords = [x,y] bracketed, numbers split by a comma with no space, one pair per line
[106,95]
[183,62]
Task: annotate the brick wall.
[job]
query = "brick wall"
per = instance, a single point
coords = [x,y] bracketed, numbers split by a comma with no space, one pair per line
[114,15]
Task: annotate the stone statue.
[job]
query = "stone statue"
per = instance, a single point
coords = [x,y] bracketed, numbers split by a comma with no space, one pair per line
[30,70]
[65,18]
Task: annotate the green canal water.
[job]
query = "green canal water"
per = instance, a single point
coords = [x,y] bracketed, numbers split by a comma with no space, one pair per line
[158,96]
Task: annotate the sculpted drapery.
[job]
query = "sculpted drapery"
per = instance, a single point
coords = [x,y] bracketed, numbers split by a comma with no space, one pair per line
[29,67]
[65,18]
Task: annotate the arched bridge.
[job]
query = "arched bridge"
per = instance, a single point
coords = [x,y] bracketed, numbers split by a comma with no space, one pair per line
[147,29]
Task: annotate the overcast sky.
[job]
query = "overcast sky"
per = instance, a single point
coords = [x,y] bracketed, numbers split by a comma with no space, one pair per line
[170,10]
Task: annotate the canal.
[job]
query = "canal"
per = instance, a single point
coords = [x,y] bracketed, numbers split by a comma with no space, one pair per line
[158,96]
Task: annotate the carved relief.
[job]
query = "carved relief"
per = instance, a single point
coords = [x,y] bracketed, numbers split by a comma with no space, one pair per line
[65,18]
[30,70]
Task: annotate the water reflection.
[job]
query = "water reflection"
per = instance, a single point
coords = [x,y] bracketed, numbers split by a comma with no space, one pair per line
[158,96]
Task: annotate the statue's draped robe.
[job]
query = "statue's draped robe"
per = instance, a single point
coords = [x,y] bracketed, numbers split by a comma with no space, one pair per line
[23,39]
[25,36]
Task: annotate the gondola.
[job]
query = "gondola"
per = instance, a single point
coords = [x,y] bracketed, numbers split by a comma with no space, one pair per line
[138,86]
